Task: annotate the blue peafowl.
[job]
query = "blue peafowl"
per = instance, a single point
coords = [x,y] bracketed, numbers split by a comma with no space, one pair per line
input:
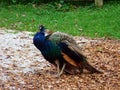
[62,51]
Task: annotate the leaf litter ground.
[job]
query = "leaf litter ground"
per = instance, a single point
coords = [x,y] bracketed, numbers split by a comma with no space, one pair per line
[22,66]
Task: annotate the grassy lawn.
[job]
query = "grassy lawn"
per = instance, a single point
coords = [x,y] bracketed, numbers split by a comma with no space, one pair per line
[84,20]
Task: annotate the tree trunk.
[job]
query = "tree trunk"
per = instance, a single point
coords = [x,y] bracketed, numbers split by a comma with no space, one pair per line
[99,3]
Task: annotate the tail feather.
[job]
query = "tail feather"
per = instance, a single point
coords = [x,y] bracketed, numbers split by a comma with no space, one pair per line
[90,68]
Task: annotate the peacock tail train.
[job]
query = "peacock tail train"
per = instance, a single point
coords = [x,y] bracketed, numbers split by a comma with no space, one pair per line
[59,37]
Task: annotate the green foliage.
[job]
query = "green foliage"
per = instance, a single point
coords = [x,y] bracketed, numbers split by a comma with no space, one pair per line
[29,1]
[19,1]
[61,6]
[84,20]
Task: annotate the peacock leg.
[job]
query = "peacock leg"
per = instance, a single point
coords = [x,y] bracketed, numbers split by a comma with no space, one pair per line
[58,65]
[62,69]
[81,69]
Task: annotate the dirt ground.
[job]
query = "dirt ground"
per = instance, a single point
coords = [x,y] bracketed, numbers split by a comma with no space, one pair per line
[22,66]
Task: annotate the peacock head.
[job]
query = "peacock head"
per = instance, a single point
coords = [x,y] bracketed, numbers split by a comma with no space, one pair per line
[42,29]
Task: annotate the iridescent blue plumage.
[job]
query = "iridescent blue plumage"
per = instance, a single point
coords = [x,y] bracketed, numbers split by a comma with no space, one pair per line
[49,50]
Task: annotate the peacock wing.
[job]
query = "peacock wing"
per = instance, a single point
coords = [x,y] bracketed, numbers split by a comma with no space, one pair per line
[71,53]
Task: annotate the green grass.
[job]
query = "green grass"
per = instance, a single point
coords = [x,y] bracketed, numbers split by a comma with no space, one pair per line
[85,20]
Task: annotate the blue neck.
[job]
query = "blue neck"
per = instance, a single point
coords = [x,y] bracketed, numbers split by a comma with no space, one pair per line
[39,39]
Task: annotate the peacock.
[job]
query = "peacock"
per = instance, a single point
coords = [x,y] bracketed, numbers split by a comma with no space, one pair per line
[62,51]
